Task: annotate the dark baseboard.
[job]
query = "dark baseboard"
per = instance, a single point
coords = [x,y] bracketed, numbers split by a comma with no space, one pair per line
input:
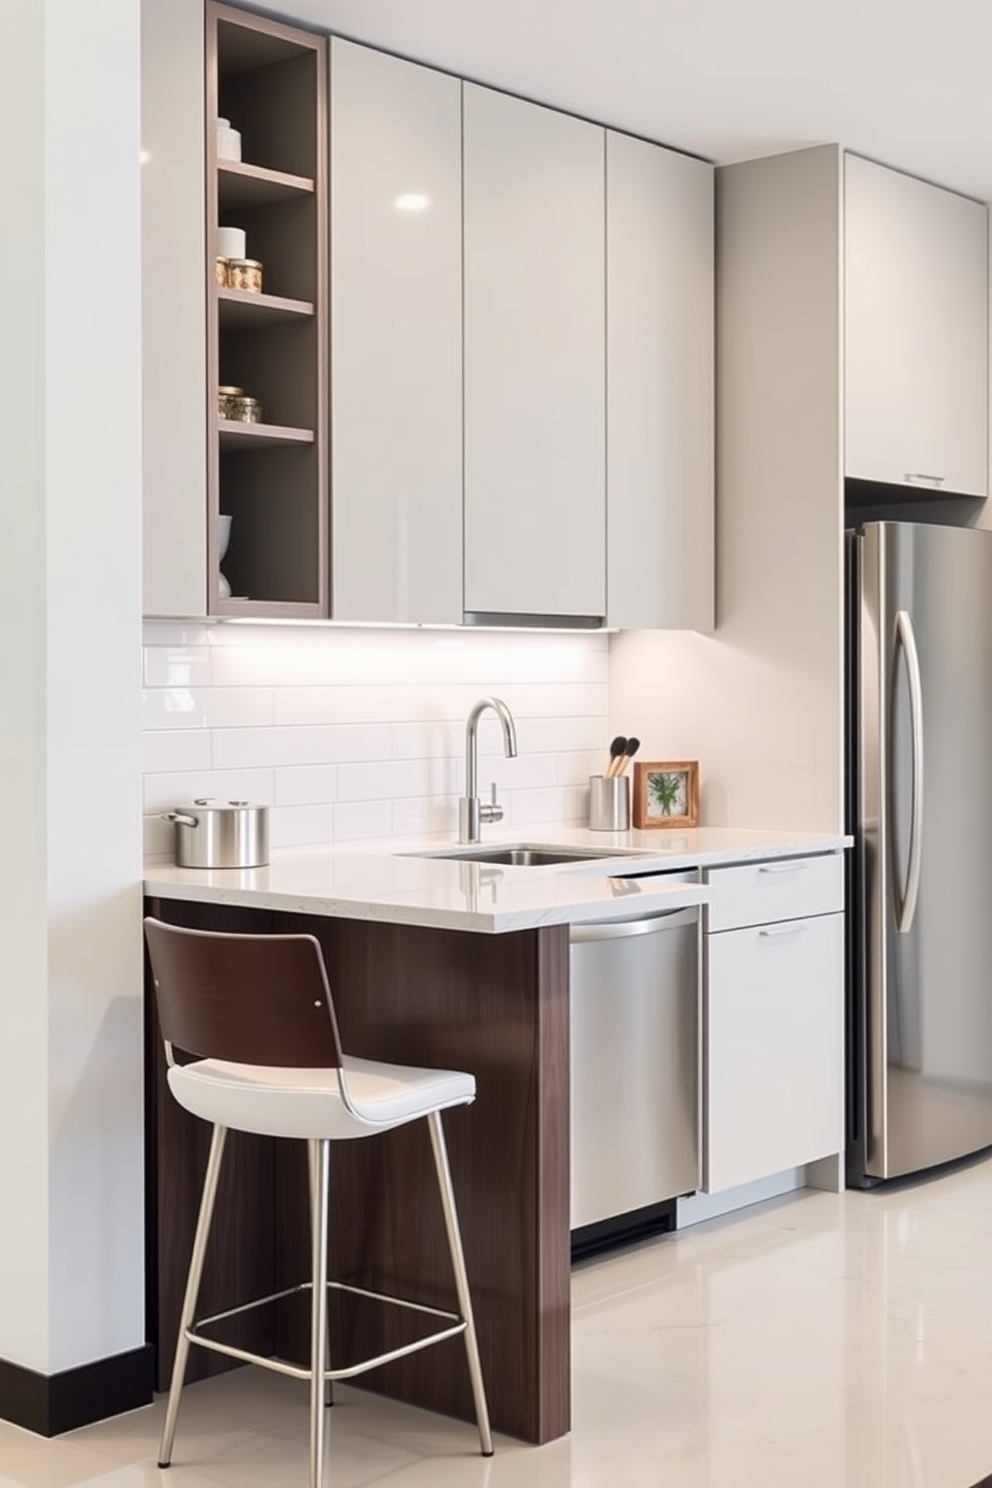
[49,1404]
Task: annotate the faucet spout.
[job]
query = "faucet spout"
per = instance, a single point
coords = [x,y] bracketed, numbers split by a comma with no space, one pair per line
[471,811]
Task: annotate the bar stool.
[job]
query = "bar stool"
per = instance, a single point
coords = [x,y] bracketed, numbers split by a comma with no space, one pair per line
[256,1012]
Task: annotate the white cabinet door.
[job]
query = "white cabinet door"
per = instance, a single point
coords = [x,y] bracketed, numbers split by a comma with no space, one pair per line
[173,309]
[659,387]
[535,509]
[773,1056]
[916,325]
[396,375]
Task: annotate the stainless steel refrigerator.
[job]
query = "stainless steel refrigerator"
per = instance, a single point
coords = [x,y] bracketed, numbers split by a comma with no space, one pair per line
[919,774]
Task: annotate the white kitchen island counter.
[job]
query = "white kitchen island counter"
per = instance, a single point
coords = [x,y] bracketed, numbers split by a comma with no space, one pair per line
[410,985]
[389,881]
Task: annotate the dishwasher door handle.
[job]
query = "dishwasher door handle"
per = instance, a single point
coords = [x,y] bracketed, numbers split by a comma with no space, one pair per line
[621,929]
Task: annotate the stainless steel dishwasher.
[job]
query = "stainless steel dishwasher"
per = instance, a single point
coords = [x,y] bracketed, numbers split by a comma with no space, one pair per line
[635,1062]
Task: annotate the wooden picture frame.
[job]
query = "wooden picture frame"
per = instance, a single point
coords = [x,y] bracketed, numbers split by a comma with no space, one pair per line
[666,793]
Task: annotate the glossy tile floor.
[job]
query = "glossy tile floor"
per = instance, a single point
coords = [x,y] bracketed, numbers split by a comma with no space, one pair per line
[815,1341]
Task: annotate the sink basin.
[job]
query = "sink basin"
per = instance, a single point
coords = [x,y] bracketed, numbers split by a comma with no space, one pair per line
[523,856]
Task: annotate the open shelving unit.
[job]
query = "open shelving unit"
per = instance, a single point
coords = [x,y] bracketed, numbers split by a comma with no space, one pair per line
[269,477]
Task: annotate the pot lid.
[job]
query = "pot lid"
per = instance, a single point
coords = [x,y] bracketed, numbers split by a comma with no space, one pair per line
[211,803]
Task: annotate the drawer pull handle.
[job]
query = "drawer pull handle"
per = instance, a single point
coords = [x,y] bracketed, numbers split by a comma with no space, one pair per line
[794,866]
[792,928]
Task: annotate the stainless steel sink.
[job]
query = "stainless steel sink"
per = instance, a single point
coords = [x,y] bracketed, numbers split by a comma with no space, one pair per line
[524,856]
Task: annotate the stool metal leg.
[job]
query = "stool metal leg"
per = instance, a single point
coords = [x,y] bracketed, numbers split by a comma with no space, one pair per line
[311,1165]
[461,1279]
[320,1159]
[192,1291]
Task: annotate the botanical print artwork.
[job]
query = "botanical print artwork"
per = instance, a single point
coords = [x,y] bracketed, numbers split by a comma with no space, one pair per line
[667,793]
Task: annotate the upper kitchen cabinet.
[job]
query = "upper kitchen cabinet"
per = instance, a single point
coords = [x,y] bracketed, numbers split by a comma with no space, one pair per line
[396,342]
[534,339]
[916,332]
[659,387]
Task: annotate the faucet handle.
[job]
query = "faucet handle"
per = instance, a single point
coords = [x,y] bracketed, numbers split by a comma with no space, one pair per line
[491,810]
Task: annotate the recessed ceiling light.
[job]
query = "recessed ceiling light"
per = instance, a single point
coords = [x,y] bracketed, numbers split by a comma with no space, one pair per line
[412,201]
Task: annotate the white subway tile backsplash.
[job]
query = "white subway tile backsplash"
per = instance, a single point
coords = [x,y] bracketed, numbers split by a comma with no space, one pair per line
[177,666]
[425,816]
[163,792]
[304,705]
[396,779]
[354,734]
[363,741]
[356,821]
[176,749]
[441,739]
[173,708]
[301,826]
[303,785]
[273,746]
[575,769]
[239,707]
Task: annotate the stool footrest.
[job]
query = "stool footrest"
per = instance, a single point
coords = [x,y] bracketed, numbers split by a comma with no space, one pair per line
[282,1366]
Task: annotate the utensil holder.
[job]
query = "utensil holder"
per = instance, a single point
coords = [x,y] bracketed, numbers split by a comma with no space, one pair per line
[609,803]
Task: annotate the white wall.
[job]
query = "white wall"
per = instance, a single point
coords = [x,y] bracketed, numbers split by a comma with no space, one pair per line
[71,1237]
[354,734]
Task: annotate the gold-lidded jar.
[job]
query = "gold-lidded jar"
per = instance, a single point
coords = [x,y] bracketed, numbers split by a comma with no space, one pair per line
[221,270]
[225,395]
[244,273]
[244,410]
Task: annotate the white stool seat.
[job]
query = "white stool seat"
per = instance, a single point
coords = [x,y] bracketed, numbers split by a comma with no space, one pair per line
[307,1103]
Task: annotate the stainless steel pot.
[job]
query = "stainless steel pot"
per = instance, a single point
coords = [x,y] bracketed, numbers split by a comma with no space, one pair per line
[220,834]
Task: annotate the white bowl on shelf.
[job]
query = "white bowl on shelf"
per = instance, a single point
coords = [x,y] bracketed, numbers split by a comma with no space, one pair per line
[223,538]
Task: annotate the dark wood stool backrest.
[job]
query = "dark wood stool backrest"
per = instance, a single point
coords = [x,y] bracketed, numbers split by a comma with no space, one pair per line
[249,999]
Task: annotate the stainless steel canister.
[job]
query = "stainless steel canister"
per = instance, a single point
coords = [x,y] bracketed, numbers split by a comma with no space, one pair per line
[609,803]
[220,834]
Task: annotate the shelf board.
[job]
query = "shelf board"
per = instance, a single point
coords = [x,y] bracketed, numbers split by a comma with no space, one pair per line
[237,436]
[240,184]
[269,609]
[243,309]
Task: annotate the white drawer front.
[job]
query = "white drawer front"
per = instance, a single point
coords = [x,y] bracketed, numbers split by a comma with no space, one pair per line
[773,1053]
[780,889]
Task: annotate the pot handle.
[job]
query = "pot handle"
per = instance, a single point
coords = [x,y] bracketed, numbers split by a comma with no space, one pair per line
[180,818]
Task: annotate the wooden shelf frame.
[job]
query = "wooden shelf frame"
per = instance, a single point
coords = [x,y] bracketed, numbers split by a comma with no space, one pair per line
[244,309]
[233,435]
[278,344]
[241,184]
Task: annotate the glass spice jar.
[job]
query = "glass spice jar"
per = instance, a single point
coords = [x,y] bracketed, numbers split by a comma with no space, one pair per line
[244,273]
[222,272]
[224,397]
[245,410]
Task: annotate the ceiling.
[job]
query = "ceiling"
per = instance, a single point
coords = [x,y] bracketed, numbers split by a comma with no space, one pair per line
[908,82]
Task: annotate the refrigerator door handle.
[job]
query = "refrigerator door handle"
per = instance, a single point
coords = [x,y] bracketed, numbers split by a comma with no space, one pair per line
[906,638]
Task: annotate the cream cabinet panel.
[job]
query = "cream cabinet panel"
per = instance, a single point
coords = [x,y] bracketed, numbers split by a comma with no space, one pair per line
[396,371]
[659,387]
[773,1054]
[535,505]
[173,316]
[916,330]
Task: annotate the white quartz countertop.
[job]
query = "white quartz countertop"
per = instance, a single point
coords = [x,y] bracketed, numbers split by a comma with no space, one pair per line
[389,881]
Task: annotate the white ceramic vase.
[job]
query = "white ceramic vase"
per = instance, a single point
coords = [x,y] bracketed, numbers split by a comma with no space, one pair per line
[223,538]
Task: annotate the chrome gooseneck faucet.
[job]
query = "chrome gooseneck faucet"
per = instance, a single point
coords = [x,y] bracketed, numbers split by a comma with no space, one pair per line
[471,811]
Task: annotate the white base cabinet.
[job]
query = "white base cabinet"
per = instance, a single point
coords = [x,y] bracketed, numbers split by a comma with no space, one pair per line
[773,1019]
